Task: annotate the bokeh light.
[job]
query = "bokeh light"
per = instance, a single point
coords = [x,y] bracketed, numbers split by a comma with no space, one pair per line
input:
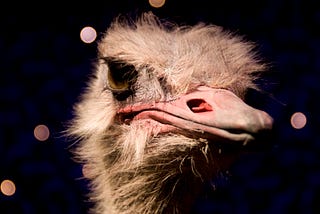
[86,171]
[157,3]
[7,187]
[88,34]
[298,120]
[41,132]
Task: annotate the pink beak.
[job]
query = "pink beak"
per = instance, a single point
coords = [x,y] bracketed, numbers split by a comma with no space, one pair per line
[206,113]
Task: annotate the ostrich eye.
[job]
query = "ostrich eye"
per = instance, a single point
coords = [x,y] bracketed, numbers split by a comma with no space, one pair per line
[121,75]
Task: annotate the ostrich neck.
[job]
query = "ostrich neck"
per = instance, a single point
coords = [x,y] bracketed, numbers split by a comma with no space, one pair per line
[167,179]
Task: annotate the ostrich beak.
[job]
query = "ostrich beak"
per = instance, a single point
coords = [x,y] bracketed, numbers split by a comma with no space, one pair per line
[214,114]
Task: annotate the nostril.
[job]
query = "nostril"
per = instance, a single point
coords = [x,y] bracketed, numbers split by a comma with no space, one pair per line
[199,105]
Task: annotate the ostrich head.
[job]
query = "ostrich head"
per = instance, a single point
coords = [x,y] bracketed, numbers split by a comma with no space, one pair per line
[163,114]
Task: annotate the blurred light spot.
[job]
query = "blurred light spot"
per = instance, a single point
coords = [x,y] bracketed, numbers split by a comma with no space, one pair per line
[88,34]
[41,132]
[298,120]
[7,187]
[86,171]
[157,3]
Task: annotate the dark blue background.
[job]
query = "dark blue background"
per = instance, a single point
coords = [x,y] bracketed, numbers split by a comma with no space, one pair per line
[44,66]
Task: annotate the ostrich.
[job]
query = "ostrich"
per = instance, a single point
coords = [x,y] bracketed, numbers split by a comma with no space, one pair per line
[163,114]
